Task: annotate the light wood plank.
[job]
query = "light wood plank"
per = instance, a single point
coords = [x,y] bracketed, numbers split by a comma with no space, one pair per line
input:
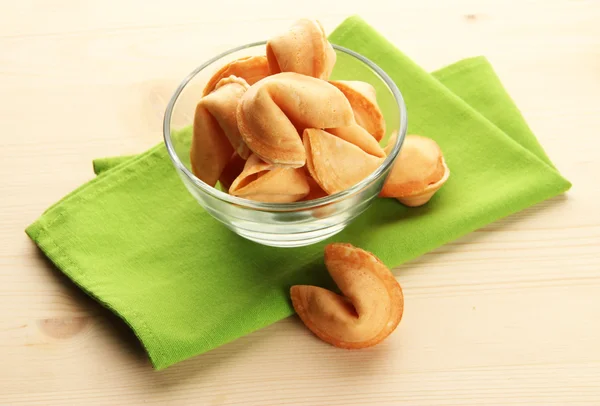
[506,315]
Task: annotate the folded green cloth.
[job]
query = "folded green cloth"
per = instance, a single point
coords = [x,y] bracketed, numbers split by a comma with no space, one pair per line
[136,241]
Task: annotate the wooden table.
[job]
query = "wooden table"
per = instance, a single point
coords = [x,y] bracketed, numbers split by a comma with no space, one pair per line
[508,314]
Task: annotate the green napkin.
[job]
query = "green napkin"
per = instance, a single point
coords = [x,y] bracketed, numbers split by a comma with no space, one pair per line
[135,240]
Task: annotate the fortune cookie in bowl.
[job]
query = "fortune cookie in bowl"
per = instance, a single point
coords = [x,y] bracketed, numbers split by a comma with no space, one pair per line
[357,135]
[274,110]
[334,163]
[232,170]
[222,104]
[418,172]
[363,100]
[315,191]
[215,130]
[263,182]
[369,311]
[250,68]
[303,49]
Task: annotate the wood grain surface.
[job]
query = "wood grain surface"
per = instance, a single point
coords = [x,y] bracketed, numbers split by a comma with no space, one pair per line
[507,315]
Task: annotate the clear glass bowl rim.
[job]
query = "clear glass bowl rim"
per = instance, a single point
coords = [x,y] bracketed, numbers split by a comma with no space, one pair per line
[279,207]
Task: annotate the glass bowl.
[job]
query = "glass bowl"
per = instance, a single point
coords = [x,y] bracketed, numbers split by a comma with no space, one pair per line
[283,224]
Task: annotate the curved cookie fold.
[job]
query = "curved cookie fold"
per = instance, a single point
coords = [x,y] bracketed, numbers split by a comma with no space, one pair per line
[360,137]
[210,151]
[304,49]
[421,198]
[272,111]
[263,182]
[369,311]
[315,191]
[250,68]
[418,172]
[215,132]
[222,104]
[232,170]
[336,164]
[363,100]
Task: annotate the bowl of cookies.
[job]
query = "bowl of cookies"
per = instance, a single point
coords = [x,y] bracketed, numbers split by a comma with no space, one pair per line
[286,141]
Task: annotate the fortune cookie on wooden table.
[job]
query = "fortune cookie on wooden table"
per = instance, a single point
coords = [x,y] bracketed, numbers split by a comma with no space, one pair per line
[418,172]
[215,130]
[369,311]
[273,111]
[250,68]
[363,100]
[261,181]
[336,164]
[303,49]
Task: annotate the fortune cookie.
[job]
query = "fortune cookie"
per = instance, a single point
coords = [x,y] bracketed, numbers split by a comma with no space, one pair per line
[336,164]
[215,130]
[250,68]
[263,182]
[273,111]
[418,172]
[358,136]
[370,309]
[363,100]
[210,151]
[315,191]
[232,170]
[222,104]
[303,49]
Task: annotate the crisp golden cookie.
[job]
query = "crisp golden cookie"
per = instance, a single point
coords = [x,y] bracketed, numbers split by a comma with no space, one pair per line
[250,68]
[232,170]
[263,182]
[315,191]
[210,151]
[303,49]
[420,198]
[222,104]
[215,132]
[272,111]
[418,172]
[335,163]
[370,309]
[364,104]
[360,137]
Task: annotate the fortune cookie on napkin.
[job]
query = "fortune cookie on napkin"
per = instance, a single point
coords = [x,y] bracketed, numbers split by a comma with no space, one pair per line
[336,164]
[263,182]
[418,172]
[303,49]
[363,99]
[250,68]
[370,309]
[273,111]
